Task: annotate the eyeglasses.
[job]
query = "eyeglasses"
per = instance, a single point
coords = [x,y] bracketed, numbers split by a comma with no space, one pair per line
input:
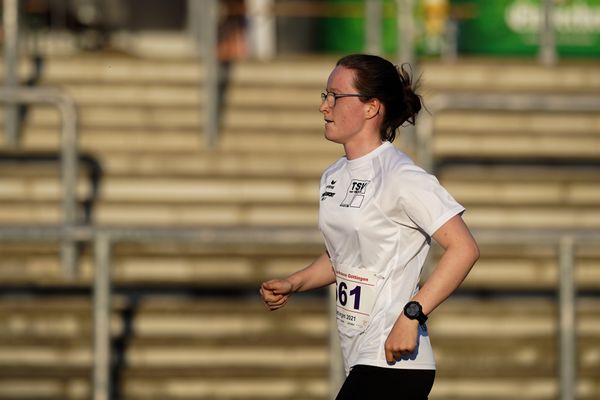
[331,97]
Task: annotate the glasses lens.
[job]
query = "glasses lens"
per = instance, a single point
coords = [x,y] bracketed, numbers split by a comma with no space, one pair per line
[329,98]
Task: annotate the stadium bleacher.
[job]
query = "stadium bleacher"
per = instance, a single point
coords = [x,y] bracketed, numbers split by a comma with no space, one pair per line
[186,320]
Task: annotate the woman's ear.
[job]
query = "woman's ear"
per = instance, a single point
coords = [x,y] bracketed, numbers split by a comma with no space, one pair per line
[372,108]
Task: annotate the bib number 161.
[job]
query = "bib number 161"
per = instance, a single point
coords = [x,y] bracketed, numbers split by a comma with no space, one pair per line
[342,295]
[355,297]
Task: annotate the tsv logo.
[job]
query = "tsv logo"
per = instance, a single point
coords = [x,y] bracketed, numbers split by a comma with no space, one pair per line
[356,194]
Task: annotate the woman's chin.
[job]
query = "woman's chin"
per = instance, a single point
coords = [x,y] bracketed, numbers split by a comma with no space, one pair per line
[329,135]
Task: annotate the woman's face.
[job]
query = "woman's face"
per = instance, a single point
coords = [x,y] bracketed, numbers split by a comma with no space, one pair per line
[346,119]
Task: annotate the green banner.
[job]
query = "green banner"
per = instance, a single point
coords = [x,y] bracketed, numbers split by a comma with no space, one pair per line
[345,31]
[504,27]
[512,27]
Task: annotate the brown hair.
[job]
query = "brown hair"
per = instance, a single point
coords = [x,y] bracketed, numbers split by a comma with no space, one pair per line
[376,77]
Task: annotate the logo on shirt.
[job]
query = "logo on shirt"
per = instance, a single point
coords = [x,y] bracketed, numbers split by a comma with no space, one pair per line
[355,194]
[327,193]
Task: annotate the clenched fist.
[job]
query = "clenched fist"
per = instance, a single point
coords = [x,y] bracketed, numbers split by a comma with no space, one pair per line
[275,293]
[402,340]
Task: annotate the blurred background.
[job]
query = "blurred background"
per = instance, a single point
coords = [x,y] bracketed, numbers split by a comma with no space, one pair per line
[160,159]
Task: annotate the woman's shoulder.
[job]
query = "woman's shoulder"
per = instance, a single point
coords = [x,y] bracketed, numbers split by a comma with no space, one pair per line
[396,161]
[333,167]
[401,169]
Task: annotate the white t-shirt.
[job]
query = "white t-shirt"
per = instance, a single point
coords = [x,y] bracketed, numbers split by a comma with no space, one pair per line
[377,215]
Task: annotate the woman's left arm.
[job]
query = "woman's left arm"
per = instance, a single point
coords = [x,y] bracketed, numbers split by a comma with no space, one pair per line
[460,254]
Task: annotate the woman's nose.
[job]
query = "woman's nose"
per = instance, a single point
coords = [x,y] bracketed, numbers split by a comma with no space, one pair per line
[324,107]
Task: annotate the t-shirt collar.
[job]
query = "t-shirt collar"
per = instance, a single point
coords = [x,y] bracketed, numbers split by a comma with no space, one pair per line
[357,162]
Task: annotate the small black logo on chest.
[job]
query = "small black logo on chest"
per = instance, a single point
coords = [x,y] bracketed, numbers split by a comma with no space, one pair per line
[327,193]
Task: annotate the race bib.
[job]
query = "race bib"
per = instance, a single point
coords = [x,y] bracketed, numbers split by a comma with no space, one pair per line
[355,297]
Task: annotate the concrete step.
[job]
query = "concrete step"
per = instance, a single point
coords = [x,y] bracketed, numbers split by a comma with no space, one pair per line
[506,388]
[183,139]
[165,94]
[533,217]
[287,163]
[113,68]
[513,271]
[285,214]
[251,112]
[159,320]
[510,122]
[180,388]
[568,193]
[120,117]
[466,73]
[146,270]
[180,117]
[510,75]
[124,214]
[509,146]
[185,214]
[171,190]
[35,188]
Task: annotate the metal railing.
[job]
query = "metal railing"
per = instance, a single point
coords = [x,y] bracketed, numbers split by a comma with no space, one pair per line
[10,20]
[566,242]
[69,164]
[103,239]
[457,101]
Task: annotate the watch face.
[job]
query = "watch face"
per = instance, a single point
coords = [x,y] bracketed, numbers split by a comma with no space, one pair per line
[412,310]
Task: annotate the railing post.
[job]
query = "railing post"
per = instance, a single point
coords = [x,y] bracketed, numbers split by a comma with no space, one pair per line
[423,140]
[262,32]
[406,32]
[69,160]
[547,52]
[69,174]
[567,332]
[373,26]
[11,61]
[102,311]
[208,44]
[405,43]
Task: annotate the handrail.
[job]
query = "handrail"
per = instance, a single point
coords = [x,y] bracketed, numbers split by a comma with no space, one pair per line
[68,149]
[10,20]
[493,102]
[269,235]
[564,240]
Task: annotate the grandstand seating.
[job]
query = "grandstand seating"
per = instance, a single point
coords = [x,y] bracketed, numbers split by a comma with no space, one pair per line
[176,338]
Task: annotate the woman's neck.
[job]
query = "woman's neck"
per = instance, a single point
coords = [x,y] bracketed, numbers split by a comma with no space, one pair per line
[356,150]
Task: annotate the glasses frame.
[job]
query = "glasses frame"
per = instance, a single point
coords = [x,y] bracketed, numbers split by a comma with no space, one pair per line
[325,97]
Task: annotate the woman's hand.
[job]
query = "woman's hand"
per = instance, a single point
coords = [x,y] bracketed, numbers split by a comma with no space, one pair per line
[275,293]
[402,339]
[318,274]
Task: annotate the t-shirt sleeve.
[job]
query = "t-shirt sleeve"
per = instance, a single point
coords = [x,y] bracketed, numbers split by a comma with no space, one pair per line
[424,200]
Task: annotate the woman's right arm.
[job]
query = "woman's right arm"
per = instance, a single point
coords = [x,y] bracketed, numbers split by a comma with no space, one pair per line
[319,273]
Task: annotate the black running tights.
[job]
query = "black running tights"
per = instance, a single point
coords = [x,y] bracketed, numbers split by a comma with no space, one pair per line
[366,382]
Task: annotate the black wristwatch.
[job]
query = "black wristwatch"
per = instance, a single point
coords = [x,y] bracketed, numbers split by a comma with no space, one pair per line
[414,310]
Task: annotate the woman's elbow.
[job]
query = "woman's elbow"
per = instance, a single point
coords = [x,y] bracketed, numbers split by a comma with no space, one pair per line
[473,251]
